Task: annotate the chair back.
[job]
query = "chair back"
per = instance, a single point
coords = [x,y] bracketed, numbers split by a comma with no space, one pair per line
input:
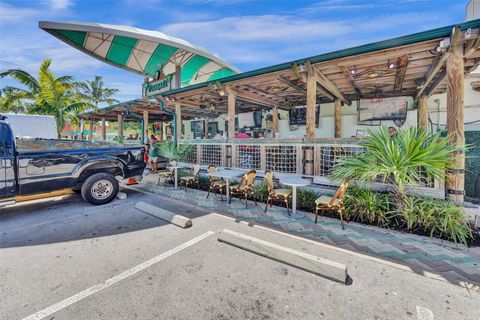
[212,169]
[173,163]
[196,170]
[250,178]
[269,181]
[340,194]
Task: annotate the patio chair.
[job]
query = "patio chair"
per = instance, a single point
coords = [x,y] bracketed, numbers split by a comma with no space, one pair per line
[215,184]
[333,203]
[284,195]
[167,175]
[245,187]
[193,179]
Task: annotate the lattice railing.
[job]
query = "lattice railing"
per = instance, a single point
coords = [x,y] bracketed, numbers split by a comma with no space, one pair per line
[248,157]
[211,155]
[330,155]
[279,158]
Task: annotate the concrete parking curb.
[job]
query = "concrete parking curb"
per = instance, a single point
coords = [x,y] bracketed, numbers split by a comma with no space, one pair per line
[178,220]
[310,263]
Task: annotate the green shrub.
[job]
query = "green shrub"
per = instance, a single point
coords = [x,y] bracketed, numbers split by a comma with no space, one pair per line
[306,200]
[365,205]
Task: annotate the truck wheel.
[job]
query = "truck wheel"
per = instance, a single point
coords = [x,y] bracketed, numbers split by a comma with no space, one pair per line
[100,188]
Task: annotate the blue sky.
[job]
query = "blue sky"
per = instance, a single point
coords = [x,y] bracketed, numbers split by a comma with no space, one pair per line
[248,34]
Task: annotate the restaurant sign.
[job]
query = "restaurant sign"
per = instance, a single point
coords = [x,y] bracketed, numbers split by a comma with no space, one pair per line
[154,88]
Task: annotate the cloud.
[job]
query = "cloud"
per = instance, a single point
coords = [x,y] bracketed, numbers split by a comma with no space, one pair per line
[59,4]
[10,13]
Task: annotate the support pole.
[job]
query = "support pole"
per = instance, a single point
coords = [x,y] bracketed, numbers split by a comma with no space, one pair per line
[338,118]
[145,125]
[178,120]
[422,113]
[231,114]
[455,115]
[120,128]
[311,103]
[206,128]
[90,130]
[104,129]
[275,122]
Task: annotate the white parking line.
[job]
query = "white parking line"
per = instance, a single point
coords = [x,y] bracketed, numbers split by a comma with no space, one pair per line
[107,283]
[424,313]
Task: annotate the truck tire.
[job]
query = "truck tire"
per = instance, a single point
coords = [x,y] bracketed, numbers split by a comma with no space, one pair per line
[100,188]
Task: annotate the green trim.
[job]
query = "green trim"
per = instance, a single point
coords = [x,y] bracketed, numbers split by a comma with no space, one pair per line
[77,37]
[221,73]
[159,57]
[192,66]
[120,50]
[376,46]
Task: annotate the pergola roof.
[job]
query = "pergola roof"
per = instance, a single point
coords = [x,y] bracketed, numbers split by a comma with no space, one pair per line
[136,107]
[349,74]
[141,51]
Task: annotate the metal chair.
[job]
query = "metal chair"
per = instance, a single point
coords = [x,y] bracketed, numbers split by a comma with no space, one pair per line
[333,203]
[215,184]
[284,195]
[167,175]
[245,187]
[193,179]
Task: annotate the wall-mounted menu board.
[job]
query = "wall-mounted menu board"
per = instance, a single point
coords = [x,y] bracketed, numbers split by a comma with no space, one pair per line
[298,116]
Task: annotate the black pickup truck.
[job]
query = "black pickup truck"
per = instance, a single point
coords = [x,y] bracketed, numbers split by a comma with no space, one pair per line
[93,170]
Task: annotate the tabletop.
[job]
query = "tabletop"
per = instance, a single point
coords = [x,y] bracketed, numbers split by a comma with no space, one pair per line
[226,173]
[295,181]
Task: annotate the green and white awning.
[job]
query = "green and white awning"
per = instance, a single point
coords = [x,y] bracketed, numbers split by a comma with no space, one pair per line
[141,51]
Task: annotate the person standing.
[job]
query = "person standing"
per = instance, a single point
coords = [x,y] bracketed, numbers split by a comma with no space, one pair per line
[152,154]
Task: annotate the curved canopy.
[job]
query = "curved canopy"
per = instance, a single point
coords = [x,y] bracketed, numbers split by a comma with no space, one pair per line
[141,51]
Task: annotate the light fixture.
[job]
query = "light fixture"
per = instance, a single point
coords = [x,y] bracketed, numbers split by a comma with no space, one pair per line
[353,71]
[301,68]
[372,74]
[390,64]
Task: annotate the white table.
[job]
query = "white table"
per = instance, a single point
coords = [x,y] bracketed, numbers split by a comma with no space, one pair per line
[174,168]
[227,174]
[294,182]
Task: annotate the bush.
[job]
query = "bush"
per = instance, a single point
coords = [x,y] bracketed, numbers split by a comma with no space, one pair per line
[365,205]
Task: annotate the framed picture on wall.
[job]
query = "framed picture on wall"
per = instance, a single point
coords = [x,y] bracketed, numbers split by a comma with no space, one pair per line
[382,109]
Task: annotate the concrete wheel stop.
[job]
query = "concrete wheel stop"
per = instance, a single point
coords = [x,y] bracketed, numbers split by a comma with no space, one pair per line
[173,218]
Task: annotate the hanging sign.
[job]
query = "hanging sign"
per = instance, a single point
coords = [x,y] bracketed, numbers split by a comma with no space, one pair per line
[154,88]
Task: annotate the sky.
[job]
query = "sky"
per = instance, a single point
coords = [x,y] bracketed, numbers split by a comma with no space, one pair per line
[248,34]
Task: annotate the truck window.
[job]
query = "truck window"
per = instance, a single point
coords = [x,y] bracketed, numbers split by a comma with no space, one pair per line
[6,142]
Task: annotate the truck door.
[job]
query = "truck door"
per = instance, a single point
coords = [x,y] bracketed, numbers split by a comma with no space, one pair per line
[7,173]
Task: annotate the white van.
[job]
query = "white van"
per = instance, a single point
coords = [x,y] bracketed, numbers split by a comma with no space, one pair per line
[32,126]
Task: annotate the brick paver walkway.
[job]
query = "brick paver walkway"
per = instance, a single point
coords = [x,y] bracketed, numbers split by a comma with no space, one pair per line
[454,262]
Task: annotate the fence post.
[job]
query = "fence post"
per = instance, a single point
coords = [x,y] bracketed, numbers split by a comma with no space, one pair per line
[299,156]
[233,154]
[199,154]
[263,158]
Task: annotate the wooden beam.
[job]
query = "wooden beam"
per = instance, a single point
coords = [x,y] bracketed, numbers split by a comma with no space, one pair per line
[104,129]
[90,130]
[145,124]
[402,63]
[434,69]
[351,80]
[291,84]
[338,119]
[274,122]
[303,76]
[231,113]
[455,115]
[326,83]
[422,113]
[311,108]
[120,128]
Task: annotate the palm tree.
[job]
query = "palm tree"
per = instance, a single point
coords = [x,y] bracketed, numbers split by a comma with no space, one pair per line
[47,95]
[412,155]
[95,92]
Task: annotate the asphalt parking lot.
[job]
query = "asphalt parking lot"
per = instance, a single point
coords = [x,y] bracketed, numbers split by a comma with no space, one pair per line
[65,259]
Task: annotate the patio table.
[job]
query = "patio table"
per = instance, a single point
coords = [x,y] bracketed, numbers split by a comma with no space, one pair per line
[227,174]
[294,182]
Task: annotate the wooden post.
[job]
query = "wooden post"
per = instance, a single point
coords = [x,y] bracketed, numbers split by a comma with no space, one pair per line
[275,122]
[338,118]
[120,128]
[90,131]
[206,128]
[231,114]
[455,115]
[422,113]
[104,129]
[178,121]
[145,125]
[311,103]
